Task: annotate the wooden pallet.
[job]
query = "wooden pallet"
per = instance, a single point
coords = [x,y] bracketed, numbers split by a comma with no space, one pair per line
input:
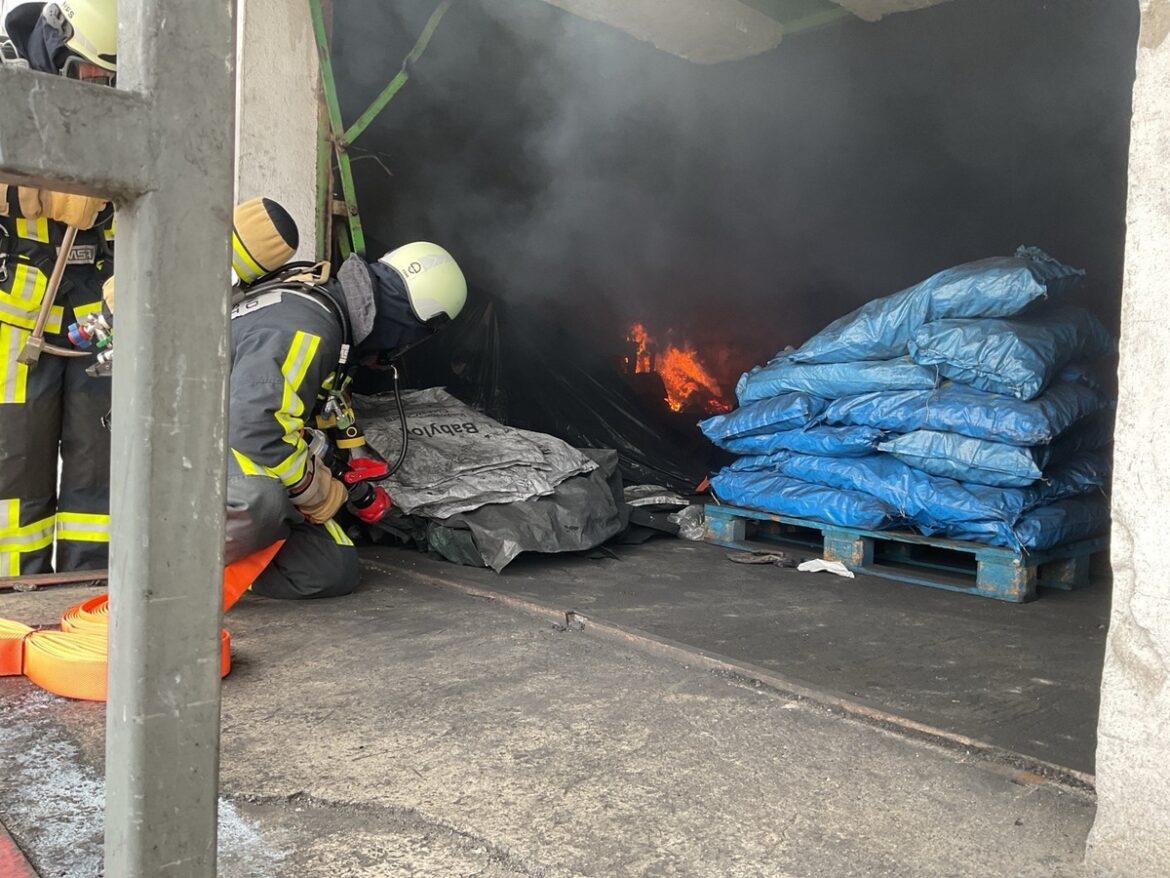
[954,565]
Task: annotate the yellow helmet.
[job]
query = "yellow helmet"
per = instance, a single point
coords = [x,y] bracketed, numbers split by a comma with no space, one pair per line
[264,237]
[434,282]
[89,29]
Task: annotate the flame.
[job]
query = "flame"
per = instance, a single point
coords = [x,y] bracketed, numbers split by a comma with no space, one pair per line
[681,370]
[641,337]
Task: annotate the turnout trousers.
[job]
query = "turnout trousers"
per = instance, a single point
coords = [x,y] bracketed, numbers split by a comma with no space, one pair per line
[316,561]
[50,427]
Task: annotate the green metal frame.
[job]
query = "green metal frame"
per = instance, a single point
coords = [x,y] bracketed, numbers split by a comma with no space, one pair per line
[336,138]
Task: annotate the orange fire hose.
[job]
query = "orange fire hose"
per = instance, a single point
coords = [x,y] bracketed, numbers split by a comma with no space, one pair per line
[71,662]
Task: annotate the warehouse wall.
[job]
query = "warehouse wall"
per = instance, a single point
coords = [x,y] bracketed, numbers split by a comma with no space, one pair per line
[276,122]
[1132,833]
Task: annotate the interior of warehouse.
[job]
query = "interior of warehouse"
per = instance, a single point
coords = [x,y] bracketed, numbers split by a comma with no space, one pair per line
[651,585]
[617,205]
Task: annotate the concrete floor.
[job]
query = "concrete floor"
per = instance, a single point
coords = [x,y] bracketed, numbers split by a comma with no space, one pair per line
[411,730]
[1024,677]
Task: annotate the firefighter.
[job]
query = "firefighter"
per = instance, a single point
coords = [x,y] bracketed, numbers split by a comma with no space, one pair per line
[294,343]
[52,411]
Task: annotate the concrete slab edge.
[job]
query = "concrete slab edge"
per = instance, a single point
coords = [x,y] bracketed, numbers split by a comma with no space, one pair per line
[1020,767]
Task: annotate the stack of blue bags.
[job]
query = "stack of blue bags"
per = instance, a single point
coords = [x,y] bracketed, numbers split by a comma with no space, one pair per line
[965,407]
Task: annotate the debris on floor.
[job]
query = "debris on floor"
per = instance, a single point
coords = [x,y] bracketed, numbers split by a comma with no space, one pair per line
[692,524]
[820,565]
[778,559]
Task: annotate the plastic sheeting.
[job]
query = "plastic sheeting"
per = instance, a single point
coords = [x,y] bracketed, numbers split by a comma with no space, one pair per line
[833,380]
[882,329]
[784,412]
[969,460]
[459,459]
[826,441]
[785,496]
[527,366]
[960,409]
[582,513]
[1015,357]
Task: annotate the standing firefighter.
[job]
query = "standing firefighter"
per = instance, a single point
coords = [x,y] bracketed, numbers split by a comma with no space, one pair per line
[52,410]
[294,342]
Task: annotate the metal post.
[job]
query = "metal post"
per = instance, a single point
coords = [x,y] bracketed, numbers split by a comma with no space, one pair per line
[170,413]
[340,137]
[163,149]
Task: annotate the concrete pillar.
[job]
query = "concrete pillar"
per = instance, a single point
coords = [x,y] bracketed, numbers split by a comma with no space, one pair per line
[276,130]
[1131,836]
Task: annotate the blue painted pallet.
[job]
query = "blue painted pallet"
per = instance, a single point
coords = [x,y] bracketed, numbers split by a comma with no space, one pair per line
[1003,574]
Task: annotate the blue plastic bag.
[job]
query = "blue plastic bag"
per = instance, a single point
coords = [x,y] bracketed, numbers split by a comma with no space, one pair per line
[881,329]
[964,459]
[783,496]
[960,409]
[1086,472]
[1089,434]
[827,441]
[913,494]
[1019,358]
[833,380]
[1042,528]
[931,501]
[784,412]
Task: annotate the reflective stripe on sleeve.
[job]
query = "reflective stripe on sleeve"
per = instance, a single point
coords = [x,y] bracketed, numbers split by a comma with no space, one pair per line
[83,527]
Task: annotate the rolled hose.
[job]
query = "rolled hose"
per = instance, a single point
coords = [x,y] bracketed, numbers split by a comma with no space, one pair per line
[72,661]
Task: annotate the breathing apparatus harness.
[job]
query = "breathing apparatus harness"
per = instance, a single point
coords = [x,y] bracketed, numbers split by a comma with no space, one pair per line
[336,434]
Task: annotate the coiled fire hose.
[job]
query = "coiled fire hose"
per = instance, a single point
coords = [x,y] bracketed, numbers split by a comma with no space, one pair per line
[71,661]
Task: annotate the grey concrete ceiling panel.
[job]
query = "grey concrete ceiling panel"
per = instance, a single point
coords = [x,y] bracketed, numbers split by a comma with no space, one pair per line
[702,31]
[872,10]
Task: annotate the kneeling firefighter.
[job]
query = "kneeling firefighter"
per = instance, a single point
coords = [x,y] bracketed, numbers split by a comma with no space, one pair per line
[296,339]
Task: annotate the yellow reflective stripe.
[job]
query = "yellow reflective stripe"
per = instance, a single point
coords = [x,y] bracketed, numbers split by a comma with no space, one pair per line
[80,312]
[246,267]
[28,285]
[9,518]
[13,375]
[26,318]
[33,230]
[290,415]
[84,527]
[292,469]
[16,540]
[247,465]
[339,535]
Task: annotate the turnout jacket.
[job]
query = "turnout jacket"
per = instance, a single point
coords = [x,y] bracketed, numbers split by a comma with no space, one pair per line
[285,348]
[286,344]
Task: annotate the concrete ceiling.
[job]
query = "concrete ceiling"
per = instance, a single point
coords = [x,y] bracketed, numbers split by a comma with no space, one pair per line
[872,10]
[713,31]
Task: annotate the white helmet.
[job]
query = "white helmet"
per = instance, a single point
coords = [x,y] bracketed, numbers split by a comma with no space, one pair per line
[435,284]
[89,29]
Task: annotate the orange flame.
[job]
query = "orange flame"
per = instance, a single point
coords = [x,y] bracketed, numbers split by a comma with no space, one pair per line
[642,360]
[681,371]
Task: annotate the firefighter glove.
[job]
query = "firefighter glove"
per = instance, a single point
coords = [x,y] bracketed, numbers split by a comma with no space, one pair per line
[318,495]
